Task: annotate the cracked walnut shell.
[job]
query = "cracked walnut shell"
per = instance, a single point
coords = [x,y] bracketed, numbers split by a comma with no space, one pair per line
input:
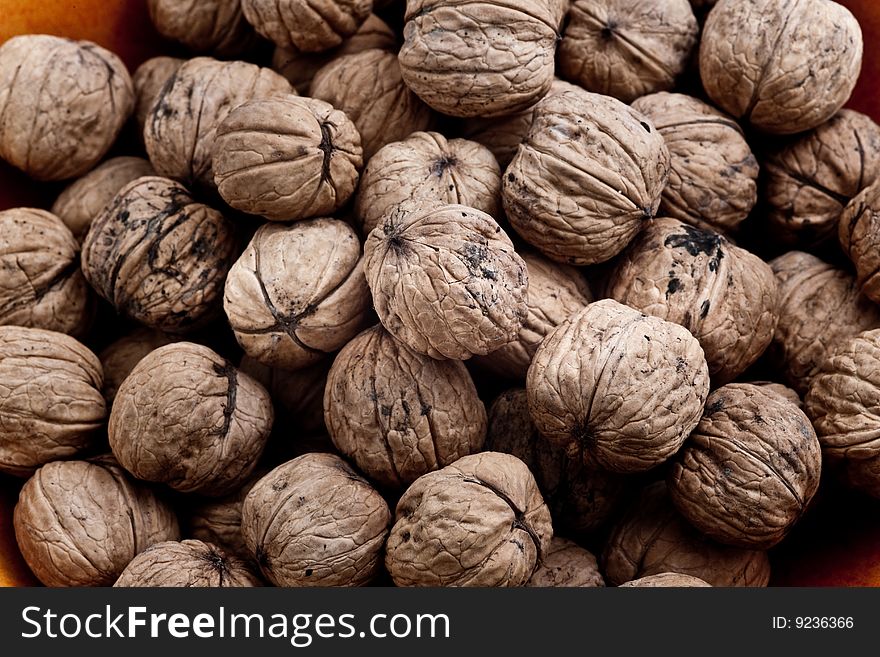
[186,564]
[308,25]
[566,564]
[216,26]
[859,234]
[478,522]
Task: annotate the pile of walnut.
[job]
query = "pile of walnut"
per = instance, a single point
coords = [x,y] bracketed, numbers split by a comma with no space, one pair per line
[364,294]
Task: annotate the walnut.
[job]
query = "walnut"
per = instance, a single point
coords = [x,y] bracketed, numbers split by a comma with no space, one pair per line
[287,158]
[298,395]
[749,469]
[666,580]
[618,386]
[713,173]
[188,418]
[216,26]
[398,414]
[627,48]
[585,179]
[784,392]
[84,199]
[859,235]
[149,78]
[653,538]
[314,522]
[218,521]
[119,358]
[581,496]
[486,59]
[721,293]
[297,293]
[158,256]
[427,169]
[79,523]
[183,120]
[819,307]
[368,87]
[809,181]
[566,564]
[50,398]
[478,522]
[556,292]
[62,104]
[308,25]
[300,67]
[186,564]
[41,283]
[783,65]
[446,281]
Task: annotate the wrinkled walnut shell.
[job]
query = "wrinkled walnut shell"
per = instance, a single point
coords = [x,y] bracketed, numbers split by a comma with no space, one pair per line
[478,522]
[308,25]
[149,78]
[859,235]
[119,358]
[216,26]
[784,392]
[566,564]
[666,580]
[186,564]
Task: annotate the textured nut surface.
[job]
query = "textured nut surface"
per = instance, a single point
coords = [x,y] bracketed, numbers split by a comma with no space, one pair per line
[158,256]
[819,307]
[218,521]
[79,523]
[41,283]
[398,414]
[859,234]
[783,65]
[308,25]
[565,563]
[148,80]
[712,171]
[50,398]
[188,418]
[480,59]
[314,522]
[587,176]
[368,87]
[627,48]
[62,104]
[618,386]
[119,358]
[782,391]
[287,158]
[186,564]
[216,26]
[723,294]
[84,199]
[652,538]
[809,181]
[427,169]
[666,580]
[446,282]
[297,293]
[863,475]
[478,522]
[749,469]
[298,395]
[182,124]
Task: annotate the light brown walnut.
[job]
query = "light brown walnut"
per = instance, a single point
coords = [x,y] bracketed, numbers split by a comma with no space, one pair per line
[859,235]
[212,26]
[566,564]
[308,25]
[119,358]
[186,564]
[148,79]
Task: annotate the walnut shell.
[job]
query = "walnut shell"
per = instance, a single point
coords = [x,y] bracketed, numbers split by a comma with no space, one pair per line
[297,293]
[809,181]
[566,564]
[478,522]
[314,522]
[298,395]
[712,171]
[186,564]
[188,418]
[819,307]
[587,176]
[427,169]
[300,67]
[653,538]
[721,293]
[287,158]
[556,292]
[627,48]
[446,281]
[859,235]
[216,26]
[218,521]
[79,523]
[158,256]
[41,283]
[749,469]
[308,25]
[781,391]
[785,66]
[368,87]
[149,78]
[62,104]
[84,199]
[618,386]
[480,59]
[50,398]
[666,580]
[119,358]
[183,121]
[398,414]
